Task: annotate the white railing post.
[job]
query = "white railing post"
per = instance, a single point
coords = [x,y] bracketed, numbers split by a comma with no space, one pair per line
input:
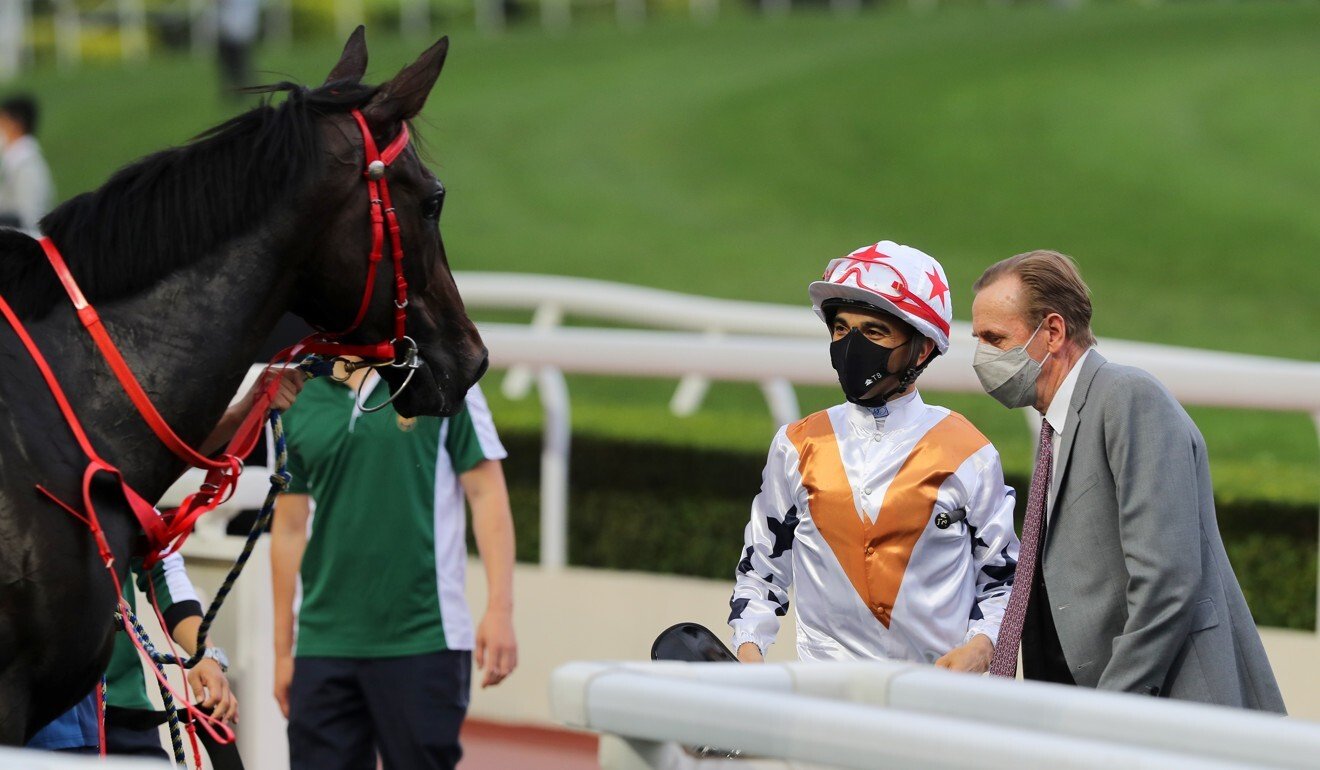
[414,18]
[203,27]
[489,15]
[689,394]
[1315,418]
[556,15]
[348,14]
[132,30]
[692,389]
[279,21]
[13,31]
[555,450]
[705,11]
[782,400]
[517,381]
[630,13]
[68,34]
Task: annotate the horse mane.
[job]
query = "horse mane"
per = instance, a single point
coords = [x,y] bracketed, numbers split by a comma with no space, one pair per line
[169,209]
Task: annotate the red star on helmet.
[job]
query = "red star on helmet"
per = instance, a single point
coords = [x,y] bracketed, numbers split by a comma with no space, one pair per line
[937,287]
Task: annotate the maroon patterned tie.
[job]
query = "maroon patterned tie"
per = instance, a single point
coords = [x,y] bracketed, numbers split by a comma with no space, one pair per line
[1005,660]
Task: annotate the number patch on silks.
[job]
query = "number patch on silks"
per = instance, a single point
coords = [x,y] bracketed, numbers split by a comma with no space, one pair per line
[945,520]
[691,643]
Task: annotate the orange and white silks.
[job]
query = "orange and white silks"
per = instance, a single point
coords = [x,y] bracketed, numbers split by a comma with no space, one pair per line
[894,532]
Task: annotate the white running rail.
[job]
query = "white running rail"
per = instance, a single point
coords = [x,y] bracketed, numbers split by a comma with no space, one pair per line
[699,339]
[776,346]
[884,714]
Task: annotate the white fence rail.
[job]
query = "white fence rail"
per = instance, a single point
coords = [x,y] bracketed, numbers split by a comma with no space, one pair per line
[866,715]
[776,346]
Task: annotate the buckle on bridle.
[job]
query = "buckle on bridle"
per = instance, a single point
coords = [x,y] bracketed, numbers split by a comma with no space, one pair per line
[410,358]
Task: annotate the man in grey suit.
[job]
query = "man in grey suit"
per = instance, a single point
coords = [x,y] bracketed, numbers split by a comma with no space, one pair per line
[1123,583]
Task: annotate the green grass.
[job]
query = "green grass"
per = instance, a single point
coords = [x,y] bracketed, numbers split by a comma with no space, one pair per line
[1169,148]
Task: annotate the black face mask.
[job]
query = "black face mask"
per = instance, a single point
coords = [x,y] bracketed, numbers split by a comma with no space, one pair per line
[861,364]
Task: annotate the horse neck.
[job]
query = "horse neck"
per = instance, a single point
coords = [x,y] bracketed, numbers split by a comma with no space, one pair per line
[189,339]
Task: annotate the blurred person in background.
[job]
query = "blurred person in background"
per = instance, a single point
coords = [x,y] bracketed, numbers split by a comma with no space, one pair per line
[238,23]
[1124,583]
[385,640]
[890,515]
[26,189]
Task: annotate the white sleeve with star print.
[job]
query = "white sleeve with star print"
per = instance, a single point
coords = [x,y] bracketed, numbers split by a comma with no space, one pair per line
[994,544]
[765,571]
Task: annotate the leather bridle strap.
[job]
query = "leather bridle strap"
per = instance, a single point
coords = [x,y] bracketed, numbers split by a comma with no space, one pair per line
[91,320]
[221,472]
[384,222]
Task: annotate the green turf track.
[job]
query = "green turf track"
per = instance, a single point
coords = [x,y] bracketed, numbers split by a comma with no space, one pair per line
[1170,148]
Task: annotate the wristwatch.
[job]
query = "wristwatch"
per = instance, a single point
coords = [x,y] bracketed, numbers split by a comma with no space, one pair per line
[218,655]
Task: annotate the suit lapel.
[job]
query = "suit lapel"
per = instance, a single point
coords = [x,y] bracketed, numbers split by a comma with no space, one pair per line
[1090,366]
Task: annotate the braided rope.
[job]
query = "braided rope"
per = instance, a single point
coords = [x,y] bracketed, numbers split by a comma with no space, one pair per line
[159,660]
[279,481]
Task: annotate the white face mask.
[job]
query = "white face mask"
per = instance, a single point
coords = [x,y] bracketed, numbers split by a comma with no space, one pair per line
[1009,376]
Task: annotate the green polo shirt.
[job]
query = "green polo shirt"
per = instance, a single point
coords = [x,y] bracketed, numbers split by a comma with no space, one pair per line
[383,571]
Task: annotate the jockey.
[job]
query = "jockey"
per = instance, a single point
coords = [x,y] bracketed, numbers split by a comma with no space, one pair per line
[891,514]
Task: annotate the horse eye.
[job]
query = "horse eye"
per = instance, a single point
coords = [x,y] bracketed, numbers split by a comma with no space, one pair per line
[431,206]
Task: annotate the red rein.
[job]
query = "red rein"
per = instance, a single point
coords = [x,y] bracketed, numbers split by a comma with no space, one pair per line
[165,534]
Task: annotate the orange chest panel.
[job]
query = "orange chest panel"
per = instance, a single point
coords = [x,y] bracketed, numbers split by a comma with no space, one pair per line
[875,555]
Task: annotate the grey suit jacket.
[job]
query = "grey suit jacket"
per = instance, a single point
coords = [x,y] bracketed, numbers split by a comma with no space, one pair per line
[1141,592]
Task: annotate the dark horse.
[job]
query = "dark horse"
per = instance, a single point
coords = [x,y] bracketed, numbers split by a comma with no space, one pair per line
[192,255]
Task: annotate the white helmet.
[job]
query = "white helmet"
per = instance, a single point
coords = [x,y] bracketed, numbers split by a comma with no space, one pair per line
[896,279]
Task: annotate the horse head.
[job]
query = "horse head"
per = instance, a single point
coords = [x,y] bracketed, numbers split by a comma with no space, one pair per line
[334,278]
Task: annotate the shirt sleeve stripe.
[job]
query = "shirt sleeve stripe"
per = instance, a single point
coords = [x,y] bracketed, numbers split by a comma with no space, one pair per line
[484,425]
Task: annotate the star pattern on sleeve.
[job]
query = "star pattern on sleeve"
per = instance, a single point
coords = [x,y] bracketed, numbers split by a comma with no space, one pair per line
[783,531]
[1001,576]
[745,566]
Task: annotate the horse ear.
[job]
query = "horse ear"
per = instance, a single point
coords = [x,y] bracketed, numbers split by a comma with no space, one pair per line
[402,98]
[353,61]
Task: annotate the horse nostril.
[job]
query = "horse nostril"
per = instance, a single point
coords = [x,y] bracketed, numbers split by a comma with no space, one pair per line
[485,364]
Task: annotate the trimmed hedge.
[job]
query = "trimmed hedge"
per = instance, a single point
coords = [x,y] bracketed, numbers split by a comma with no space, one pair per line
[652,508]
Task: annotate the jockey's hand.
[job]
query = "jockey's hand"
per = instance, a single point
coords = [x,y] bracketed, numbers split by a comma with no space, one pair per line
[748,652]
[212,687]
[497,650]
[283,678]
[973,657]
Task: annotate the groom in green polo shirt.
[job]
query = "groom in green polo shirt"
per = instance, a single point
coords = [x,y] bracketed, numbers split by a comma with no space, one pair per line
[384,638]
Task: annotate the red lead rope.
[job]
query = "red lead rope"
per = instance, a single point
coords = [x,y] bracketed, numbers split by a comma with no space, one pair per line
[164,536]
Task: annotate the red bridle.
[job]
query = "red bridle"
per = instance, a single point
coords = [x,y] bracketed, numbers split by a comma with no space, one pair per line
[166,533]
[383,219]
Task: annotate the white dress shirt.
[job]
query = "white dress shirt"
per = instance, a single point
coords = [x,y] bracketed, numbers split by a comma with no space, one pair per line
[1057,417]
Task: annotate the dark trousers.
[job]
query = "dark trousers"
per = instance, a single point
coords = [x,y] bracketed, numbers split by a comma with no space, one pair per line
[343,710]
[129,741]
